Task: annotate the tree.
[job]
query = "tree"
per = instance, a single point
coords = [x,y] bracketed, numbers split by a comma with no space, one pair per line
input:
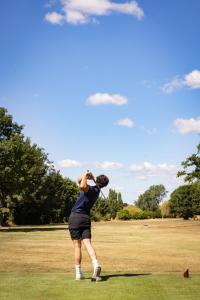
[115,202]
[182,201]
[7,127]
[196,199]
[120,204]
[191,167]
[22,168]
[21,165]
[31,191]
[56,197]
[107,208]
[151,198]
[165,209]
[101,209]
[8,130]
[186,199]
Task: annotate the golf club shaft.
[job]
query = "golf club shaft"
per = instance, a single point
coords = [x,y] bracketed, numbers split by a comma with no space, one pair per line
[99,189]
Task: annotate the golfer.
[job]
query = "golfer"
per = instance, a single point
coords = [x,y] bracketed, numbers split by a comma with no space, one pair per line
[80,223]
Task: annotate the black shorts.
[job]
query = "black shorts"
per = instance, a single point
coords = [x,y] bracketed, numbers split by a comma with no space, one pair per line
[79,226]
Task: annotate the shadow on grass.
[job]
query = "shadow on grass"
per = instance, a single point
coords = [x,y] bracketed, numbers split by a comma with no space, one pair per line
[107,277]
[31,229]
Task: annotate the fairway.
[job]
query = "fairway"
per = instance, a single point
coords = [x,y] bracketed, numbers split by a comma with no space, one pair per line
[140,260]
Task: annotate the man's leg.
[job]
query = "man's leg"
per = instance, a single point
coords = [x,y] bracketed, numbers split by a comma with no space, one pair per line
[77,251]
[78,257]
[92,254]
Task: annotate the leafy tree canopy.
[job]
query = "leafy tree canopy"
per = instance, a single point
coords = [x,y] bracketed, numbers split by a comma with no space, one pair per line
[31,191]
[185,201]
[151,198]
[7,126]
[191,167]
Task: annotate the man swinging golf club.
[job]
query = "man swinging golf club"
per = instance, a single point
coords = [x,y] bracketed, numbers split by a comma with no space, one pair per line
[80,223]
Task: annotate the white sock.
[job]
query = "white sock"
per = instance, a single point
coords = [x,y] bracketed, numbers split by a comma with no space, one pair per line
[78,269]
[95,263]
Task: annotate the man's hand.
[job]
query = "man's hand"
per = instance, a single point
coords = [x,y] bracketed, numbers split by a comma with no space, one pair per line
[83,181]
[89,175]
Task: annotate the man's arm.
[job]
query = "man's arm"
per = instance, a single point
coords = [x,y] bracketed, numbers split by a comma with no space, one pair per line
[82,181]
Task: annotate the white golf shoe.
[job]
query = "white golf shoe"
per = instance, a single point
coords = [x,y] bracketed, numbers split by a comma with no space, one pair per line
[96,274]
[79,276]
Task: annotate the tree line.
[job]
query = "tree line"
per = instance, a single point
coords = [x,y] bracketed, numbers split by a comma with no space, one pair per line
[33,192]
[184,201]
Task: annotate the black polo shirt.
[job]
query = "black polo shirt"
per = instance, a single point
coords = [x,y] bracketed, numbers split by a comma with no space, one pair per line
[86,200]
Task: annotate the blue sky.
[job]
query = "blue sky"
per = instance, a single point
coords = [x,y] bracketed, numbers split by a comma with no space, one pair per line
[110,86]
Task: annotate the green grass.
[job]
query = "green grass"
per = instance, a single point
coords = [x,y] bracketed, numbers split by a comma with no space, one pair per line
[59,286]
[39,265]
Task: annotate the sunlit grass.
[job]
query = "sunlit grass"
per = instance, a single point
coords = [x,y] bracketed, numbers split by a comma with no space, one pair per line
[60,286]
[40,264]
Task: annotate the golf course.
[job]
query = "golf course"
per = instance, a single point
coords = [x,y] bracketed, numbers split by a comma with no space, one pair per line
[99,150]
[140,260]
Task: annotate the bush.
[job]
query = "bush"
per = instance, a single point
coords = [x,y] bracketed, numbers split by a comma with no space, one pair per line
[157,214]
[132,212]
[183,202]
[5,217]
[124,215]
[147,214]
[107,217]
[140,215]
[133,209]
[96,217]
[165,209]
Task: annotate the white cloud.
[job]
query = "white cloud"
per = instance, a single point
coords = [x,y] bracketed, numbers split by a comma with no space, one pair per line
[83,11]
[190,80]
[141,177]
[167,168]
[54,18]
[116,187]
[185,126]
[148,169]
[108,165]
[146,166]
[125,122]
[175,84]
[150,131]
[193,79]
[68,163]
[104,98]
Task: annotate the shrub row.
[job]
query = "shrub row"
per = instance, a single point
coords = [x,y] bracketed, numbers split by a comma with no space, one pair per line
[138,215]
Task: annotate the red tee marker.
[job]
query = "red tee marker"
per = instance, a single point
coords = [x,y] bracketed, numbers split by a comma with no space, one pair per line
[186,273]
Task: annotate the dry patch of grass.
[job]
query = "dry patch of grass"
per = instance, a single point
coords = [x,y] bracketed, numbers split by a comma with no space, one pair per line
[133,246]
